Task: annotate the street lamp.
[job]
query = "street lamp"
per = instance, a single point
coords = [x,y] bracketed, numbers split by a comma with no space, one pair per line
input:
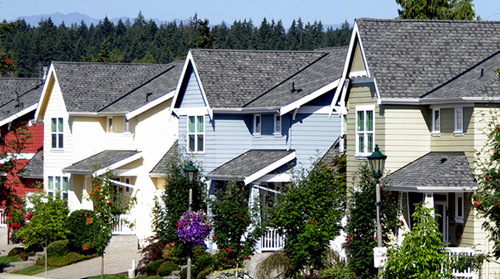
[377,163]
[190,171]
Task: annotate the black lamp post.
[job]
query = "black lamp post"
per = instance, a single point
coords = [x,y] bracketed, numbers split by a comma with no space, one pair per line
[190,171]
[377,163]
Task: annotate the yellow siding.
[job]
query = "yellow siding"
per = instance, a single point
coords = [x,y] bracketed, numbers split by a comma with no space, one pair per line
[357,63]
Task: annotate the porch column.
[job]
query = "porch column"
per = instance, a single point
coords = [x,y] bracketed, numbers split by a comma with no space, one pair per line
[429,201]
[254,202]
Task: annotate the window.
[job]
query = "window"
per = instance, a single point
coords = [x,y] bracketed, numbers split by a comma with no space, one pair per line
[459,207]
[196,133]
[56,132]
[436,122]
[257,125]
[459,121]
[110,124]
[58,186]
[277,125]
[126,125]
[364,130]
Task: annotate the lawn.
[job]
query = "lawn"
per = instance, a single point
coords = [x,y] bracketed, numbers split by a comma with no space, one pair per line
[121,276]
[5,260]
[32,270]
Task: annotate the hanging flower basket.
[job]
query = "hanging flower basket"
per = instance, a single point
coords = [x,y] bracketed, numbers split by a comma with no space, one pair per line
[193,227]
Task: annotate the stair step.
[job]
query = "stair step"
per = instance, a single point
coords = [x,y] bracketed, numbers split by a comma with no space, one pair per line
[39,254]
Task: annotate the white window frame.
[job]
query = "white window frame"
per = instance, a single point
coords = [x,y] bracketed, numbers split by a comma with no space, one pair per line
[459,131]
[278,125]
[55,184]
[126,125]
[459,215]
[109,125]
[436,131]
[365,152]
[257,130]
[196,134]
[58,133]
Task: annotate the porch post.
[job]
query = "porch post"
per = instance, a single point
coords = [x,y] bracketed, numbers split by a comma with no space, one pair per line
[429,202]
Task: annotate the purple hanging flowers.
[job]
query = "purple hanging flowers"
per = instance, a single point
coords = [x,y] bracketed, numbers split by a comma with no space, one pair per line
[193,227]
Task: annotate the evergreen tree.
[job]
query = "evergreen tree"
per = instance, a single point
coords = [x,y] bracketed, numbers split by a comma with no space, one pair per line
[438,9]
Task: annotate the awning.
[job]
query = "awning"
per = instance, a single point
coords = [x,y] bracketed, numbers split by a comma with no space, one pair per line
[252,165]
[434,172]
[103,161]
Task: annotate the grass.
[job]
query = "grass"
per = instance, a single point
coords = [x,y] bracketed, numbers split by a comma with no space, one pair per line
[5,260]
[121,276]
[32,270]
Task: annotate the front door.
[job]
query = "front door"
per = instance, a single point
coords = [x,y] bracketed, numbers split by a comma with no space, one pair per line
[441,209]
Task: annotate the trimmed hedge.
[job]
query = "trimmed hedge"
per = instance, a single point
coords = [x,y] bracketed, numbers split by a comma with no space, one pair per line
[79,231]
[152,267]
[70,258]
[166,268]
[58,248]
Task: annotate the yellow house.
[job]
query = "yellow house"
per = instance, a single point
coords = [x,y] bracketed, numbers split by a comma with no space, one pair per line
[105,116]
[421,90]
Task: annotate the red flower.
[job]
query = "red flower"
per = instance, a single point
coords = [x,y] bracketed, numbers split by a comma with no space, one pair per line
[249,221]
[487,178]
[385,195]
[86,244]
[245,258]
[8,61]
[314,222]
[229,250]
[380,186]
[402,223]
[497,127]
[96,189]
[102,197]
[28,217]
[225,259]
[477,204]
[496,204]
[109,202]
[239,216]
[105,215]
[16,225]
[213,236]
[85,248]
[90,194]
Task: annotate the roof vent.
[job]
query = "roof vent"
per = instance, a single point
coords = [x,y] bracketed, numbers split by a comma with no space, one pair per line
[147,96]
[443,160]
[293,90]
[482,72]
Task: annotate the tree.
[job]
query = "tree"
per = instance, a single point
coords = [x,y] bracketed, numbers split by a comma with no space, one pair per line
[308,215]
[6,64]
[361,225]
[436,9]
[47,223]
[422,254]
[236,226]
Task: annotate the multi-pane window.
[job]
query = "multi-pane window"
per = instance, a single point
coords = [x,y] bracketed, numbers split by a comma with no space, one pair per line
[364,131]
[196,133]
[459,120]
[277,124]
[56,132]
[257,124]
[58,186]
[436,121]
[459,207]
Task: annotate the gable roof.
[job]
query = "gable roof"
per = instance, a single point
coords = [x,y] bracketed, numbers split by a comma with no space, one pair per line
[161,168]
[255,78]
[108,159]
[18,96]
[252,165]
[34,167]
[409,58]
[92,87]
[434,172]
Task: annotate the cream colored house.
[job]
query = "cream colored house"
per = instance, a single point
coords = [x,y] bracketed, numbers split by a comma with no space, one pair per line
[104,116]
[422,91]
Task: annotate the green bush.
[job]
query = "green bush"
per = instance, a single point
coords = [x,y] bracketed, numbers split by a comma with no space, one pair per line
[166,268]
[184,273]
[71,257]
[152,267]
[202,263]
[79,231]
[58,248]
[16,251]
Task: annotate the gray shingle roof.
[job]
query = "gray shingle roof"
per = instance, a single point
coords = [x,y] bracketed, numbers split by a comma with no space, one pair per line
[478,81]
[99,161]
[161,167]
[34,167]
[435,169]
[411,57]
[17,94]
[90,87]
[247,164]
[235,78]
[332,152]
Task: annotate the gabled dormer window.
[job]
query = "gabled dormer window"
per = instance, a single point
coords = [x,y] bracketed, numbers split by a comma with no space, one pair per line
[436,122]
[277,125]
[196,134]
[57,133]
[257,125]
[459,121]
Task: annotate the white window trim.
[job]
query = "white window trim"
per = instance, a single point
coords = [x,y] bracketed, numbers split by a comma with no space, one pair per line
[51,189]
[458,132]
[125,121]
[195,133]
[57,133]
[277,133]
[459,219]
[109,124]
[436,132]
[361,155]
[255,132]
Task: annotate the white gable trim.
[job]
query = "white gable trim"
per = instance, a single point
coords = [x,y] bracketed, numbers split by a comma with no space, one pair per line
[251,178]
[118,164]
[150,105]
[43,97]
[122,184]
[18,114]
[190,60]
[297,104]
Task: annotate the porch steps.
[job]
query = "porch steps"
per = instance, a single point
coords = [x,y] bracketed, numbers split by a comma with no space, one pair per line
[20,265]
[123,243]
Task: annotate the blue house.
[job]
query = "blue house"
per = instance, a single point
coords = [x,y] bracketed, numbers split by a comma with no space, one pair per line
[252,116]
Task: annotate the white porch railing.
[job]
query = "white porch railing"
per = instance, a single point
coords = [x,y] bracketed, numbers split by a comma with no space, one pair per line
[271,241]
[455,253]
[3,219]
[125,226]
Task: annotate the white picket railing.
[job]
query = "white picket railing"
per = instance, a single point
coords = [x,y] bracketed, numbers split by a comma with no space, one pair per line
[125,226]
[271,241]
[455,253]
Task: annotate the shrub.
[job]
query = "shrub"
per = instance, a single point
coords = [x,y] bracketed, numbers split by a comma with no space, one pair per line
[16,251]
[152,267]
[58,248]
[198,251]
[79,231]
[184,273]
[71,257]
[166,268]
[204,263]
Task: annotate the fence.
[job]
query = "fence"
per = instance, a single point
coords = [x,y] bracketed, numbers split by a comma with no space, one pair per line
[271,241]
[125,226]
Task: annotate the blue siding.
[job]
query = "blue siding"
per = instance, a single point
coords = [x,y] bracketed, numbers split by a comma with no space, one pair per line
[324,100]
[192,97]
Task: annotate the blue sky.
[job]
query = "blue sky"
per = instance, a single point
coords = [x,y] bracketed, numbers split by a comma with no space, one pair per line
[328,11]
